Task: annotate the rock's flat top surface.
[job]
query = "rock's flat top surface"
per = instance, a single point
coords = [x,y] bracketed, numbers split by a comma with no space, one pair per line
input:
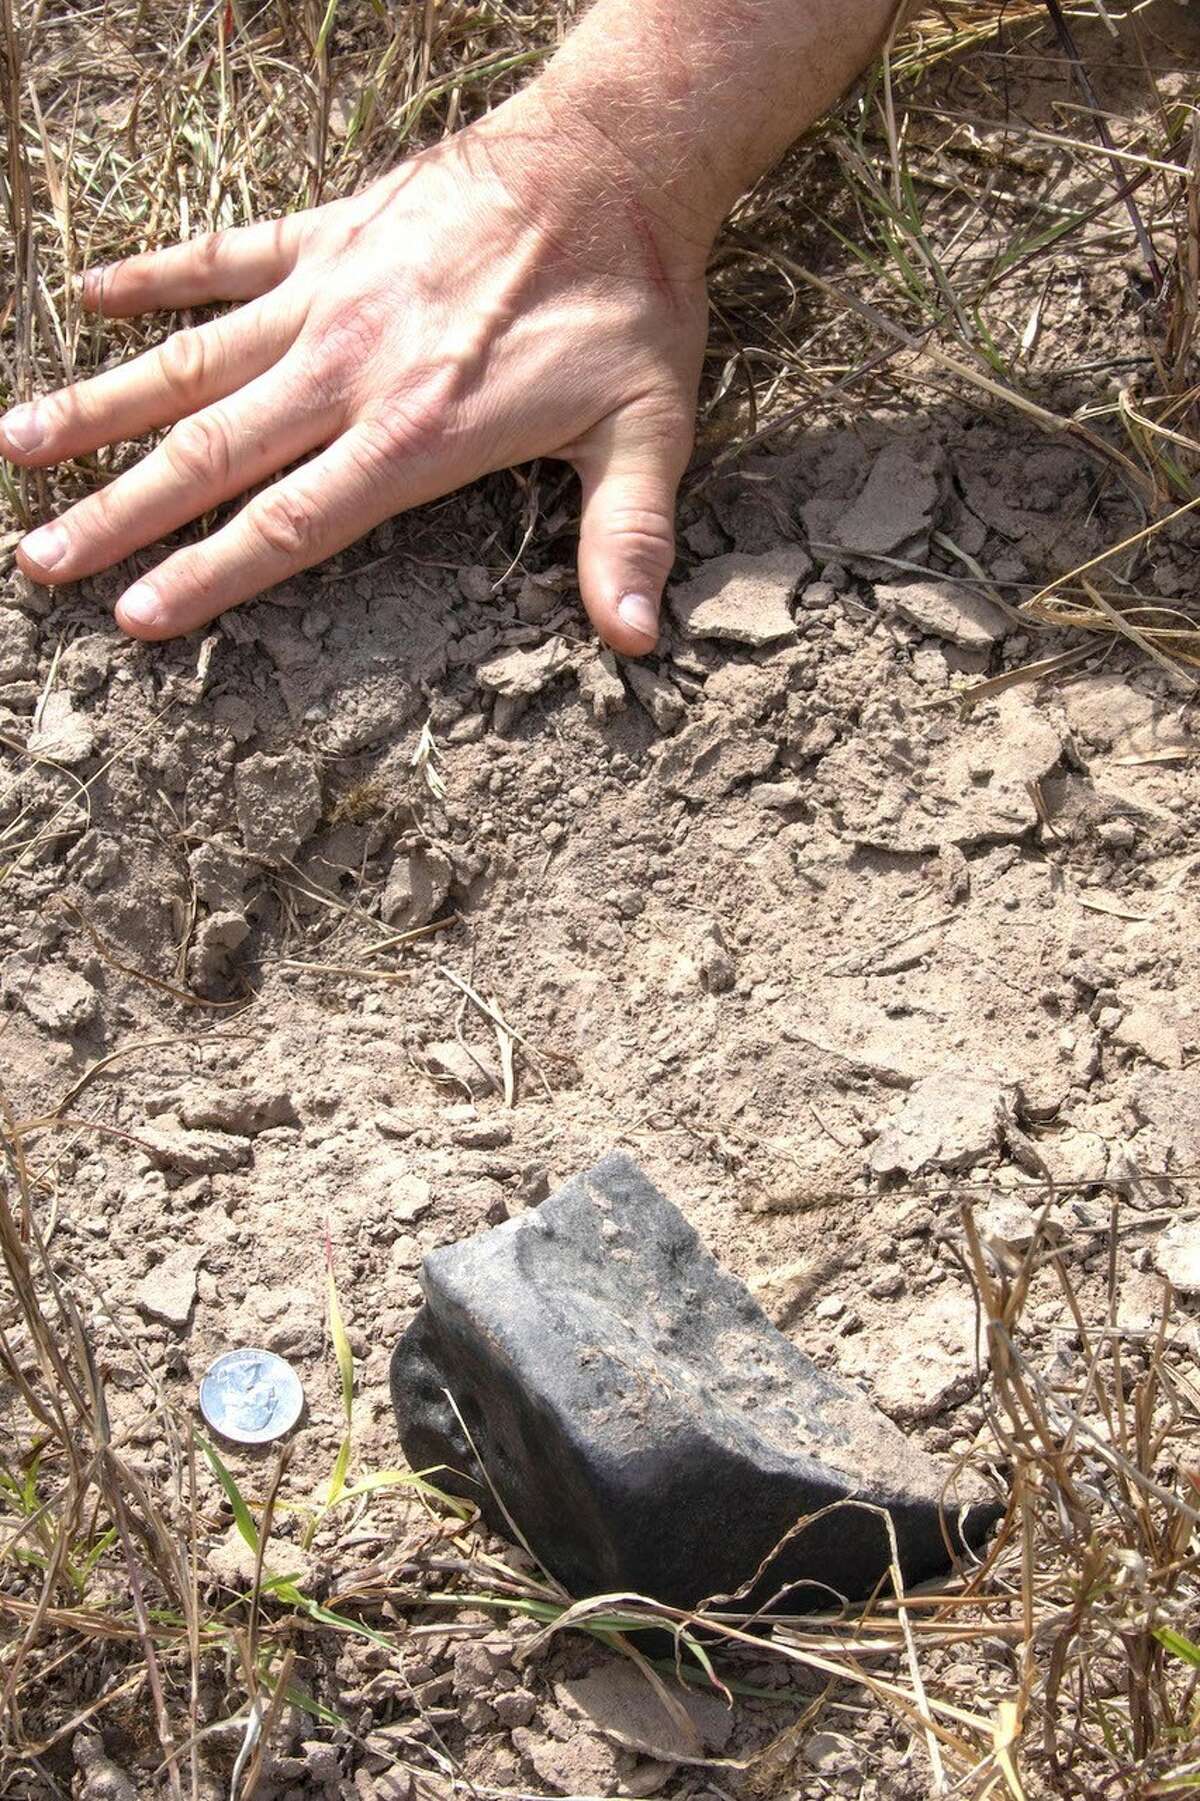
[642,1420]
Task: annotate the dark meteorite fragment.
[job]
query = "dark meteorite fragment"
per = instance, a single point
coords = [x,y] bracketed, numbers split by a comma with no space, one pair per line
[644,1423]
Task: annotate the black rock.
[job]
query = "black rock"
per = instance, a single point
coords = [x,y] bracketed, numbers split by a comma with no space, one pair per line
[643,1422]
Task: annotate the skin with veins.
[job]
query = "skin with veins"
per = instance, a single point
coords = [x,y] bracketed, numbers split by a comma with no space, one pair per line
[533,287]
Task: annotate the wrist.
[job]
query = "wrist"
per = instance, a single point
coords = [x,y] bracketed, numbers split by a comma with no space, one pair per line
[650,88]
[605,204]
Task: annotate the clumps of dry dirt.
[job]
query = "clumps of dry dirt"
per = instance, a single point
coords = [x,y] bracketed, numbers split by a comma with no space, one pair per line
[392,901]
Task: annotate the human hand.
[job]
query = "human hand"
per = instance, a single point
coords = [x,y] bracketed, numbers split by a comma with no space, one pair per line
[502,297]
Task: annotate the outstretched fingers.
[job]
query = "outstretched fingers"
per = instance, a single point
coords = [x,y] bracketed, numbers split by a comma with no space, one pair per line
[222,265]
[186,371]
[207,458]
[308,515]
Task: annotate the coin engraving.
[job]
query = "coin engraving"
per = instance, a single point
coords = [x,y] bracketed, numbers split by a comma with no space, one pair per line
[251,1396]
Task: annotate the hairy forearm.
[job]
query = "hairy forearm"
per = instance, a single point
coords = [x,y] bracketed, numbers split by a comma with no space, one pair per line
[696,98]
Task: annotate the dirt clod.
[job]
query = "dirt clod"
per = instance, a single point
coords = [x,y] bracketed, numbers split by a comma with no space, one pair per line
[951,1120]
[660,697]
[86,661]
[103,1780]
[1007,1222]
[60,733]
[961,789]
[417,884]
[1177,1256]
[278,804]
[18,646]
[894,508]
[167,1292]
[710,757]
[621,1703]
[216,939]
[456,1067]
[520,674]
[601,686]
[743,599]
[243,1111]
[193,1153]
[1152,1034]
[928,1366]
[57,998]
[944,610]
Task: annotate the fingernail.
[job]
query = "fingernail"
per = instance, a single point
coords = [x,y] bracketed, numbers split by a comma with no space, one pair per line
[46,547]
[639,614]
[24,427]
[140,605]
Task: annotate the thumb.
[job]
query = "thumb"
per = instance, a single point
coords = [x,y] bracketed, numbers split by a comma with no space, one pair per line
[627,534]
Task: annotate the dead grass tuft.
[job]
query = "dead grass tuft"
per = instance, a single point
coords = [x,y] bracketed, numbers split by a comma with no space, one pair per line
[962,202]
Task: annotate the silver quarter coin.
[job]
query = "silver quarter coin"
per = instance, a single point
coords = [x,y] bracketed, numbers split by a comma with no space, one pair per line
[251,1396]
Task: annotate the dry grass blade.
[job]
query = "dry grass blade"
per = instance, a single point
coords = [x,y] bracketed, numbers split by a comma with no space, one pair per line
[1185,643]
[1108,1554]
[1181,640]
[98,1068]
[1036,671]
[1105,136]
[507,1036]
[140,975]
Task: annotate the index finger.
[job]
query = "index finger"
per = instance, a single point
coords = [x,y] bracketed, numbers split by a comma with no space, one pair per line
[304,517]
[238,264]
[200,364]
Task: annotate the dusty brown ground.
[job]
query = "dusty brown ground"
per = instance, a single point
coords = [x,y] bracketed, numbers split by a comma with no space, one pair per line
[829,952]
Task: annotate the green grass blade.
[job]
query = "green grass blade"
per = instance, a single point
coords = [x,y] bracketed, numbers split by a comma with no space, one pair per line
[326,26]
[328,1618]
[243,1518]
[300,1697]
[345,1363]
[337,1481]
[337,1334]
[1180,1646]
[379,1479]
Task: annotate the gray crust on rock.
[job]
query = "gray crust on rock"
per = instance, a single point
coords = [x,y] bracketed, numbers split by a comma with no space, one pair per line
[643,1422]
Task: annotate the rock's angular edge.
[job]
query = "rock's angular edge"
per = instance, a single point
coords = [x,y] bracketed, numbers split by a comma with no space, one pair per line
[643,1422]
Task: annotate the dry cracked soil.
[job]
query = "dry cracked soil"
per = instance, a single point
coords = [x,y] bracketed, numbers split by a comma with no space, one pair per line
[391,902]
